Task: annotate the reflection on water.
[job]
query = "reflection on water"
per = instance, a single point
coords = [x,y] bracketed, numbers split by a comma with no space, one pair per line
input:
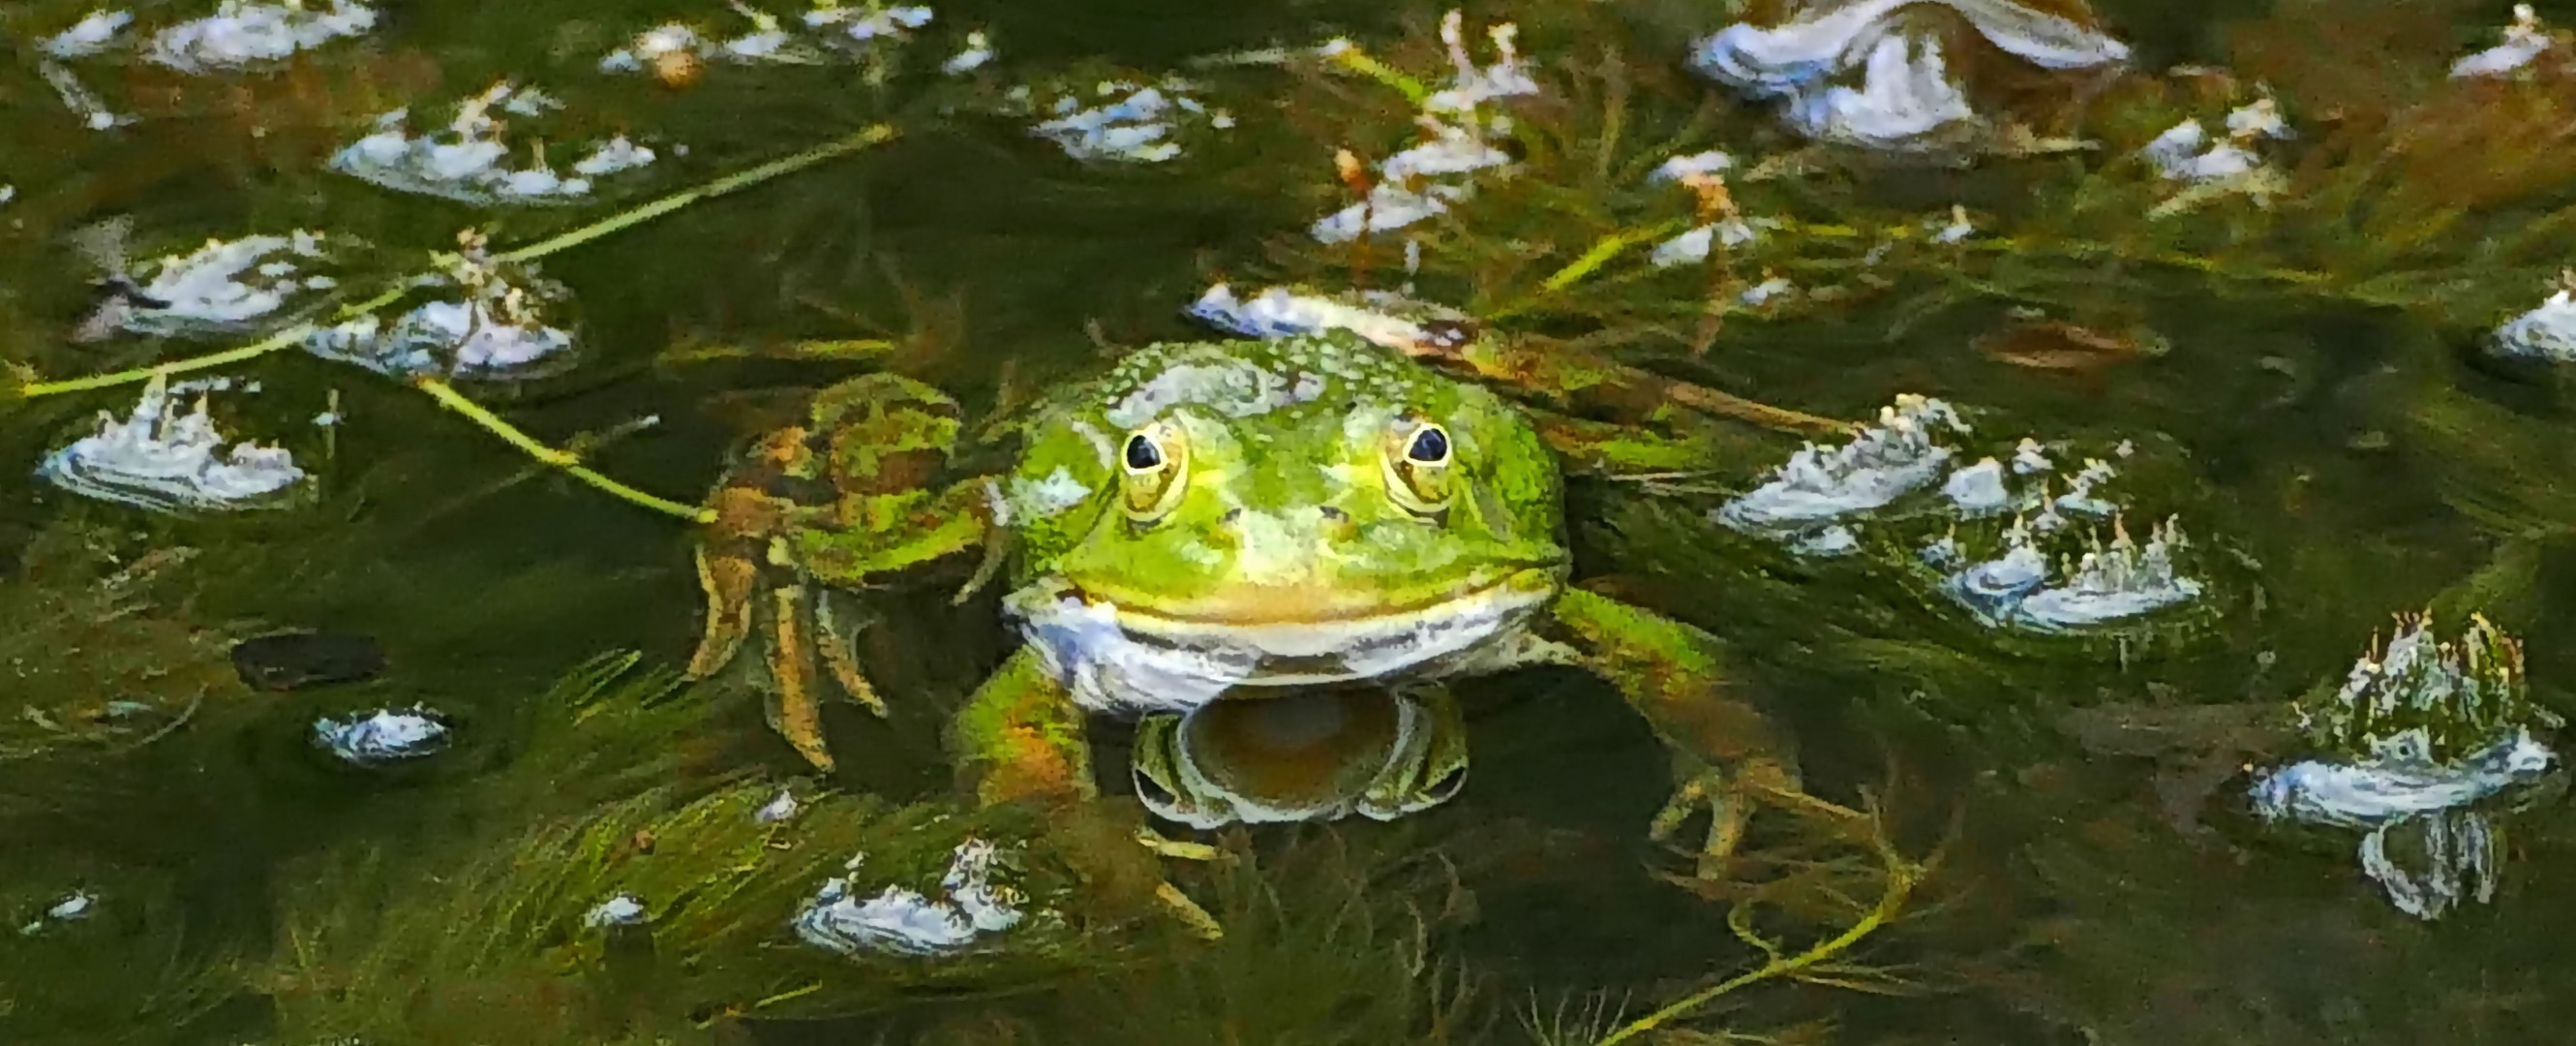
[320,725]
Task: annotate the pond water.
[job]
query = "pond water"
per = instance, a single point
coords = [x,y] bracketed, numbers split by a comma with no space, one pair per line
[2179,778]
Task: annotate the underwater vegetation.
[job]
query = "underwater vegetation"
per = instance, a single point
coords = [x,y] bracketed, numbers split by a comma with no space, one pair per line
[2021,396]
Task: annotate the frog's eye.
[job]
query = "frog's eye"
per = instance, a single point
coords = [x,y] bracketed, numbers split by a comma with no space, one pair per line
[1429,446]
[1418,467]
[1153,457]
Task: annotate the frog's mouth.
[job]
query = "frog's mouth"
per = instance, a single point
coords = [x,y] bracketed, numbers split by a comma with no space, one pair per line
[1176,654]
[1322,607]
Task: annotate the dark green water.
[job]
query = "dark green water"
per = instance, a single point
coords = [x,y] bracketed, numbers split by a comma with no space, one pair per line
[2338,449]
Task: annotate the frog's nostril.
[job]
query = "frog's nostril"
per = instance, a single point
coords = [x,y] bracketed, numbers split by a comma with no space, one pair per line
[1333,515]
[1230,516]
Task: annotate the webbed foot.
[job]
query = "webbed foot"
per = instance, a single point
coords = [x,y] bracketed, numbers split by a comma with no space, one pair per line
[838,501]
[1730,796]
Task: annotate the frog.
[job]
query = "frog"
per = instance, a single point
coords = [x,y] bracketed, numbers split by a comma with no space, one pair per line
[1233,520]
[1379,751]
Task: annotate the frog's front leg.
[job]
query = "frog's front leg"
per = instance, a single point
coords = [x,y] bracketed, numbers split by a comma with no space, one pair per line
[1020,739]
[1728,756]
[840,501]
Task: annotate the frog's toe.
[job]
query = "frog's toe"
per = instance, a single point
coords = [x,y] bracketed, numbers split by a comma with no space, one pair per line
[839,658]
[728,581]
[1196,919]
[1730,796]
[795,703]
[1724,800]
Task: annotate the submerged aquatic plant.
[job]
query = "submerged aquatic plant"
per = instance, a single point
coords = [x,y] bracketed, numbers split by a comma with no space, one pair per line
[100,659]
[1460,125]
[724,908]
[2417,748]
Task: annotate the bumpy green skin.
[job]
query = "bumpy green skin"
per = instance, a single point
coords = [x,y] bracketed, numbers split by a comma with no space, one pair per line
[880,440]
[1287,509]
[1325,426]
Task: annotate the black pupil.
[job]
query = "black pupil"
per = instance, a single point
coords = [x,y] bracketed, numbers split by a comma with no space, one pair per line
[1142,453]
[1430,447]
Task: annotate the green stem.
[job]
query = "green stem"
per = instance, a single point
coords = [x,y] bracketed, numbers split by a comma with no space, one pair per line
[869,137]
[285,339]
[1350,57]
[448,397]
[1900,884]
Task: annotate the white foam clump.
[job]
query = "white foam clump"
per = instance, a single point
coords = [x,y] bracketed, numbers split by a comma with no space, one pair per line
[164,461]
[828,29]
[1694,165]
[2546,333]
[2524,40]
[90,36]
[225,286]
[1136,124]
[623,909]
[75,907]
[2079,496]
[241,34]
[977,52]
[1883,462]
[781,809]
[384,736]
[2117,582]
[2430,839]
[2185,153]
[1761,293]
[1978,489]
[869,23]
[2030,457]
[1693,245]
[467,160]
[1383,318]
[1420,182]
[2110,583]
[1906,97]
[905,922]
[496,326]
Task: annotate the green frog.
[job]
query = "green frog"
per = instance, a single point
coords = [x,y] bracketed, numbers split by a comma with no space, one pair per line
[1231,521]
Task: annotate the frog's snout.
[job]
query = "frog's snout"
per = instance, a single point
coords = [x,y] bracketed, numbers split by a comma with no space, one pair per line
[1288,543]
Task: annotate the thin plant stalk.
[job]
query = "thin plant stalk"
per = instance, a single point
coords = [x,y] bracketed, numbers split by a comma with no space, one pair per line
[292,336]
[1902,877]
[570,463]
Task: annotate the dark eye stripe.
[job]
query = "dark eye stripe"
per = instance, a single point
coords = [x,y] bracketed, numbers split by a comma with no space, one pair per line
[1430,447]
[1142,454]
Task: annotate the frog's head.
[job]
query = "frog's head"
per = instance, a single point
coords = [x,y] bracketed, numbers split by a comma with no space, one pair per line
[1309,510]
[1307,757]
